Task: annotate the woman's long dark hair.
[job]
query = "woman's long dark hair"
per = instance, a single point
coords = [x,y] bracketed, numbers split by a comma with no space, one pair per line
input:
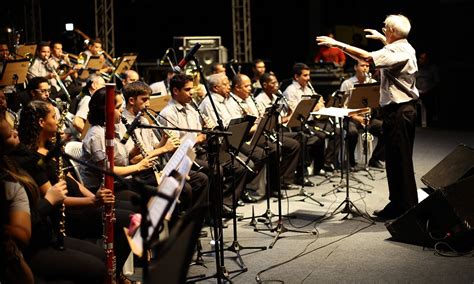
[28,128]
[10,171]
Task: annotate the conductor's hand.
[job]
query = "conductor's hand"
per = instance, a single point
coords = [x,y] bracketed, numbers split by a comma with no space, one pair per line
[327,41]
[104,196]
[374,34]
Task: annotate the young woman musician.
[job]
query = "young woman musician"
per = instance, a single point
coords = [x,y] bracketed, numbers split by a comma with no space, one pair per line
[80,261]
[83,208]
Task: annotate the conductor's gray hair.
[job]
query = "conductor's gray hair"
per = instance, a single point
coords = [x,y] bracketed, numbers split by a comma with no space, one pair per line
[399,24]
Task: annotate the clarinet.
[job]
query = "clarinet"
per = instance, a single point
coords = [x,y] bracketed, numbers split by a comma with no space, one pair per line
[207,123]
[139,145]
[61,176]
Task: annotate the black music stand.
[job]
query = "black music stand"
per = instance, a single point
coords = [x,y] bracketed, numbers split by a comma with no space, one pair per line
[349,207]
[337,99]
[262,137]
[366,95]
[274,114]
[14,72]
[239,128]
[298,120]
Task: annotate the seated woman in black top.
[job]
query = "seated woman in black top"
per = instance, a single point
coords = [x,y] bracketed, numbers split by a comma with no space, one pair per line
[83,208]
[80,261]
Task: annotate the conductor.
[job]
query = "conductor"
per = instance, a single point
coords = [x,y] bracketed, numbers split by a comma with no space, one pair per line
[398,94]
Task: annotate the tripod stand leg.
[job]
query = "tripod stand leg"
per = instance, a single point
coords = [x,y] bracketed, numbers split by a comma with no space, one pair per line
[280,229]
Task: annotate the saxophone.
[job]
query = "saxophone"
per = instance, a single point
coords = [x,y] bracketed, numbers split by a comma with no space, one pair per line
[61,176]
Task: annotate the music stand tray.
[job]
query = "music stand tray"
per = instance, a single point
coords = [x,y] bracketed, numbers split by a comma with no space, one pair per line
[365,95]
[158,102]
[266,124]
[14,72]
[301,112]
[239,128]
[126,62]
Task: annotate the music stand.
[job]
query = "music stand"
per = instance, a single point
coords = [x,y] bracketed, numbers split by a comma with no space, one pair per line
[126,62]
[239,128]
[365,95]
[14,72]
[24,49]
[94,64]
[157,103]
[261,137]
[350,209]
[298,120]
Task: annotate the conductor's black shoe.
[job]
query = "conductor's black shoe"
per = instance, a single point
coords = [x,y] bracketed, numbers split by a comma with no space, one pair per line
[305,182]
[248,198]
[376,164]
[240,203]
[388,212]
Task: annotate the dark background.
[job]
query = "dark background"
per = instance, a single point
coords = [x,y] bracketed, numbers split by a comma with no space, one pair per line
[283,32]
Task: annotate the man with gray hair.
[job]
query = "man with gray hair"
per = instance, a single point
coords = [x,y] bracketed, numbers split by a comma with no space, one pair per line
[398,95]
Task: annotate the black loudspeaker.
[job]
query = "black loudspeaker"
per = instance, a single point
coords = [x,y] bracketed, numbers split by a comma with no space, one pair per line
[457,165]
[445,216]
[207,57]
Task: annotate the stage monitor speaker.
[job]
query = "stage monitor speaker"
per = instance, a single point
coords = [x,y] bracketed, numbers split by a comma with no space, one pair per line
[457,165]
[447,215]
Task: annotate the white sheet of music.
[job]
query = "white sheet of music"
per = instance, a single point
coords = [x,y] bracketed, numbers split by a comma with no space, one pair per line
[337,111]
[181,161]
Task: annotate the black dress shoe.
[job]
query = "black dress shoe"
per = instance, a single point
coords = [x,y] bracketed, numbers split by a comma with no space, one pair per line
[228,213]
[289,186]
[240,203]
[329,167]
[376,164]
[306,182]
[388,212]
[248,198]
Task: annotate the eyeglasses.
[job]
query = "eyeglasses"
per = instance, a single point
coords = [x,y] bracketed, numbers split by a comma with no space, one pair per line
[43,91]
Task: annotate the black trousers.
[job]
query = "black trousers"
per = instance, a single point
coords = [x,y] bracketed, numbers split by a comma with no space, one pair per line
[79,262]
[399,130]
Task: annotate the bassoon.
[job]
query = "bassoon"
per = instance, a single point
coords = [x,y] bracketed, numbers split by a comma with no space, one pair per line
[109,212]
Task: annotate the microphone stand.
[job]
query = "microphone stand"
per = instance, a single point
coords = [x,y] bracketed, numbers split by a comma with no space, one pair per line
[215,183]
[280,227]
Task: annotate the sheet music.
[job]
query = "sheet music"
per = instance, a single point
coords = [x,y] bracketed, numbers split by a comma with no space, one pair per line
[340,112]
[156,208]
[181,162]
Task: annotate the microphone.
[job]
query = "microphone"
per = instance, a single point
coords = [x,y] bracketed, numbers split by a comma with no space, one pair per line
[131,128]
[162,60]
[180,67]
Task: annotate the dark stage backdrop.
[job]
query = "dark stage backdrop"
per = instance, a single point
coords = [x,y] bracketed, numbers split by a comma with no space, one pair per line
[283,32]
